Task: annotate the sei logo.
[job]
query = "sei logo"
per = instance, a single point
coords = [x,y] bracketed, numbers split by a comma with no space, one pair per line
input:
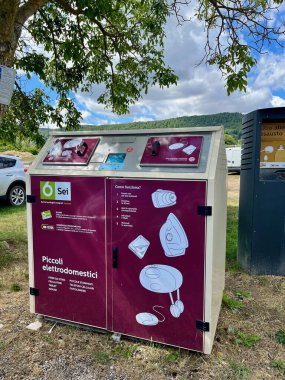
[58,191]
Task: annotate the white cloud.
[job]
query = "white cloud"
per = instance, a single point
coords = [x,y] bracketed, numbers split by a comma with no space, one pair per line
[49,126]
[277,101]
[95,121]
[142,119]
[200,89]
[85,114]
[271,71]
[89,102]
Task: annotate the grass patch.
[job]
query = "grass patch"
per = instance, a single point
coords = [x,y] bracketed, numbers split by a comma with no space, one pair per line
[172,356]
[280,336]
[241,294]
[15,287]
[232,238]
[102,358]
[124,350]
[246,340]
[5,258]
[279,364]
[231,303]
[49,339]
[13,225]
[263,281]
[13,233]
[16,253]
[238,371]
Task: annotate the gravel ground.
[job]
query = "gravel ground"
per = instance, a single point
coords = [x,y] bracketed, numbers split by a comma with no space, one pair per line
[70,353]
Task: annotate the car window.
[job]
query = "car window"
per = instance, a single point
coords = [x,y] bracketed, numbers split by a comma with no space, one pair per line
[7,162]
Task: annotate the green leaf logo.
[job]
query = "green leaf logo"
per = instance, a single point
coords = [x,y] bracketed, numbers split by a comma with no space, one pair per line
[47,190]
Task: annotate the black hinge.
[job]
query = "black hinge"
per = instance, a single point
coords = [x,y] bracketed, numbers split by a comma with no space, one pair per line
[205,210]
[31,199]
[34,292]
[203,326]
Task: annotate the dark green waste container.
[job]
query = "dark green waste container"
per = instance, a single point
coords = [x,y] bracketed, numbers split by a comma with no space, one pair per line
[261,238]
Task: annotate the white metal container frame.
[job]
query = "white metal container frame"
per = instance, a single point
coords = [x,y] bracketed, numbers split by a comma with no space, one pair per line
[216,177]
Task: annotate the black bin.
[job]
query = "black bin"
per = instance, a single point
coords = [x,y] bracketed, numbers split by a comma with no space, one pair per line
[261,238]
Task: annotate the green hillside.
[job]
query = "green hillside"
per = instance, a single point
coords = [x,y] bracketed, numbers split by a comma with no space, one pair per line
[230,121]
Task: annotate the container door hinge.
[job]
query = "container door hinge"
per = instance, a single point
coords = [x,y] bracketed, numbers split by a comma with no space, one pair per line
[202,326]
[34,292]
[205,210]
[31,199]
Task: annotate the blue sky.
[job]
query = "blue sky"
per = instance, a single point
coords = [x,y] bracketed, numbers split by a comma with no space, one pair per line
[200,89]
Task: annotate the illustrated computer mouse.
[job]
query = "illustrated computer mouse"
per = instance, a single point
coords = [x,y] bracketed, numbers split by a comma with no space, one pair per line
[147,319]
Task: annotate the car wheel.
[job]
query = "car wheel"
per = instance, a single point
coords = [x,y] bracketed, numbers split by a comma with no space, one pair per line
[17,195]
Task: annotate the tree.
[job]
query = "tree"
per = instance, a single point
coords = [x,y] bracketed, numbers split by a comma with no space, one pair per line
[230,140]
[118,45]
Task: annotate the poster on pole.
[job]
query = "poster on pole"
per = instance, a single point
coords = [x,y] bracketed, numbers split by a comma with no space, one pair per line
[7,80]
[272,147]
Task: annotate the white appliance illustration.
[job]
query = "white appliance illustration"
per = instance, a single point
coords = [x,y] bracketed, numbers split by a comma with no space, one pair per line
[159,278]
[189,149]
[163,198]
[176,146]
[173,237]
[148,319]
[139,246]
[55,150]
[267,150]
[72,143]
[66,153]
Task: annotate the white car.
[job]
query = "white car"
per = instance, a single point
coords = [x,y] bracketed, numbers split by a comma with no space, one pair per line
[12,179]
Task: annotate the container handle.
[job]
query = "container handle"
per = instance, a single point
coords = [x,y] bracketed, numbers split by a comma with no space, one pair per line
[115,257]
[155,148]
[82,149]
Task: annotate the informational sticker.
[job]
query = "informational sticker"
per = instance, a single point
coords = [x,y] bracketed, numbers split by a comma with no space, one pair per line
[7,81]
[272,147]
[46,215]
[115,161]
[172,151]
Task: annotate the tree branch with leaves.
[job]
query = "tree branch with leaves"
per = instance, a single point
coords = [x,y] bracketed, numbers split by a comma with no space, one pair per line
[237,33]
[118,46]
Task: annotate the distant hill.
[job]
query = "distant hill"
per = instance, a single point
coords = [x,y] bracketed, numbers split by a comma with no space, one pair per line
[230,120]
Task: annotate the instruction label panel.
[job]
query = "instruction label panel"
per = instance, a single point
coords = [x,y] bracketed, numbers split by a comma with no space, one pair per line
[69,248]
